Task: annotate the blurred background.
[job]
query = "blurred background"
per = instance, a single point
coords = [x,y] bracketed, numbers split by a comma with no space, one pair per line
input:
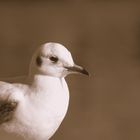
[104,37]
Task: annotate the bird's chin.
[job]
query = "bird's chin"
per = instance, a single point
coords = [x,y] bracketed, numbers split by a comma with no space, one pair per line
[68,73]
[65,73]
[60,75]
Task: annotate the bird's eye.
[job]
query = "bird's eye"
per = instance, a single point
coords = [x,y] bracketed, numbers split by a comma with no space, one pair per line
[53,59]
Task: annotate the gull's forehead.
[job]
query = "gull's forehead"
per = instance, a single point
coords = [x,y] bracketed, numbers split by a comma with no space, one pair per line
[58,50]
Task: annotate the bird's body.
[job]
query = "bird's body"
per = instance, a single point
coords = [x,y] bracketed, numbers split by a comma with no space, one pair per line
[39,108]
[35,108]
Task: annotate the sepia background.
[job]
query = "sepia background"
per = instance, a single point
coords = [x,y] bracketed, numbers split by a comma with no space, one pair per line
[104,37]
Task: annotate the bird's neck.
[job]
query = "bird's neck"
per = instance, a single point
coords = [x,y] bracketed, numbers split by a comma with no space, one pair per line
[44,81]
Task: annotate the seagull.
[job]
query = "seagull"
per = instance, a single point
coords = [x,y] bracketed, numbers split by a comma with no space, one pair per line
[34,107]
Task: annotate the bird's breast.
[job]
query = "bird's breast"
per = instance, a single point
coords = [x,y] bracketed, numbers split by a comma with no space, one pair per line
[53,99]
[41,111]
[45,110]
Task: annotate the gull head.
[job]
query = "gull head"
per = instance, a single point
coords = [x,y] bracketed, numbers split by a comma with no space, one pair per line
[53,59]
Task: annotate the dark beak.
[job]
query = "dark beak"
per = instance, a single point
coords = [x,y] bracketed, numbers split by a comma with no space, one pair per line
[77,69]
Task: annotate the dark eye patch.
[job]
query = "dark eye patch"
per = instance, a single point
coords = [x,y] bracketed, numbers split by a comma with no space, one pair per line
[39,61]
[54,59]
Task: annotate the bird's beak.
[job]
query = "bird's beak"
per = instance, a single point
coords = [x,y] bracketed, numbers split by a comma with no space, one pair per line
[77,69]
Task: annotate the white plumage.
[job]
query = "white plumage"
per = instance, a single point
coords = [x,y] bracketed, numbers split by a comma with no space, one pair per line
[34,108]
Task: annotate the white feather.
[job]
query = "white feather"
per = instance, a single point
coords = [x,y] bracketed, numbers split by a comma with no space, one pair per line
[42,98]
